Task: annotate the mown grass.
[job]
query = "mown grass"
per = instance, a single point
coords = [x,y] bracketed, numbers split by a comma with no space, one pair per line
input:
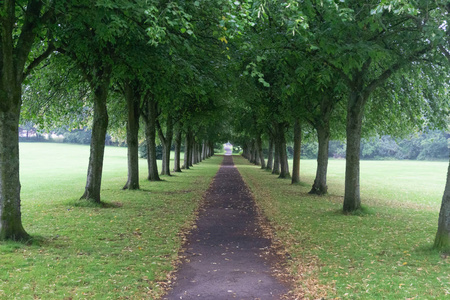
[80,252]
[384,253]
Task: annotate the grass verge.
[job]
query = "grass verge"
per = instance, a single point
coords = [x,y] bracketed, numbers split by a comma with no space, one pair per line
[123,251]
[382,253]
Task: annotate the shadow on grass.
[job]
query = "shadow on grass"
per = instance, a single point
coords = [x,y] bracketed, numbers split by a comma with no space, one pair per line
[92,204]
[362,212]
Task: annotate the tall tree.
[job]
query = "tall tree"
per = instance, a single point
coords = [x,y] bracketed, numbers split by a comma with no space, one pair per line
[24,45]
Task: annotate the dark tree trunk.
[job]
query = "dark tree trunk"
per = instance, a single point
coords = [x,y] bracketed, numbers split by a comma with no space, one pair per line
[177,158]
[204,154]
[133,100]
[166,141]
[150,136]
[297,152]
[270,156]
[262,162]
[10,215]
[442,240]
[320,182]
[355,108]
[276,158]
[187,151]
[211,149]
[100,87]
[15,51]
[284,167]
[256,153]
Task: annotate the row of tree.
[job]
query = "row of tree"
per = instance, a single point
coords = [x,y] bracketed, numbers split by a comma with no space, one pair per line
[111,65]
[343,69]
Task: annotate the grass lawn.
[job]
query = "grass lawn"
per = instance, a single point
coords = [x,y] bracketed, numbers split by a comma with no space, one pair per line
[121,252]
[383,254]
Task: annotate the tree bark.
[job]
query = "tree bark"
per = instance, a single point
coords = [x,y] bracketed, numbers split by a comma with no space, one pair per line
[256,153]
[166,141]
[187,151]
[177,158]
[100,86]
[320,182]
[269,165]
[297,152]
[10,215]
[284,167]
[133,99]
[276,159]
[14,54]
[150,136]
[442,240]
[262,162]
[355,110]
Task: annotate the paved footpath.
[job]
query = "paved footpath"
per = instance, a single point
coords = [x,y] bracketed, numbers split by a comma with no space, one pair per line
[225,253]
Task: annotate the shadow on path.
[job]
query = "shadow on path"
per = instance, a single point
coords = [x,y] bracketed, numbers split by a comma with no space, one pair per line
[225,252]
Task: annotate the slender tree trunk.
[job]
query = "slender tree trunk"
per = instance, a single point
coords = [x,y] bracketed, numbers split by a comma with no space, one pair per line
[284,167]
[204,154]
[442,240]
[211,148]
[132,98]
[276,159]
[320,182]
[297,152]
[166,141]
[177,158]
[355,108]
[187,151]
[270,156]
[199,152]
[10,215]
[150,136]
[97,150]
[256,152]
[262,162]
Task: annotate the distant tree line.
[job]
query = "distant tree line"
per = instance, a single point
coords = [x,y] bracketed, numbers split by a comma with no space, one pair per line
[432,145]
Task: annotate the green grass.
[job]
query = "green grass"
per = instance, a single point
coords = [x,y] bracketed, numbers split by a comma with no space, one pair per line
[384,253]
[125,251]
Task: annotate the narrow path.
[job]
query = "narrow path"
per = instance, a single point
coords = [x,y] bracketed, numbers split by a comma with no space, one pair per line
[225,252]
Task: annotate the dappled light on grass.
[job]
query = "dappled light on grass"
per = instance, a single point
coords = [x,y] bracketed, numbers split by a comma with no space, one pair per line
[382,252]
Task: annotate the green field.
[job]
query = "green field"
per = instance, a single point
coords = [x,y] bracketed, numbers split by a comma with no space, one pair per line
[128,250]
[82,252]
[384,253]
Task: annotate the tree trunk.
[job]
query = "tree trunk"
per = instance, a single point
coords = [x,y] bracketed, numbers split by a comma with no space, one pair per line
[320,182]
[284,167]
[262,162]
[100,125]
[204,154]
[133,100]
[166,141]
[10,215]
[442,240]
[276,159]
[177,159]
[187,151]
[297,152]
[355,108]
[270,156]
[150,136]
[211,149]
[256,153]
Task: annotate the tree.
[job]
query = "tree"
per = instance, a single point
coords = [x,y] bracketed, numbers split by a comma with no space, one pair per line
[24,45]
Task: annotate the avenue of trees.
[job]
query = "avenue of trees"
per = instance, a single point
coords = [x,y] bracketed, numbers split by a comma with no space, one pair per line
[257,73]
